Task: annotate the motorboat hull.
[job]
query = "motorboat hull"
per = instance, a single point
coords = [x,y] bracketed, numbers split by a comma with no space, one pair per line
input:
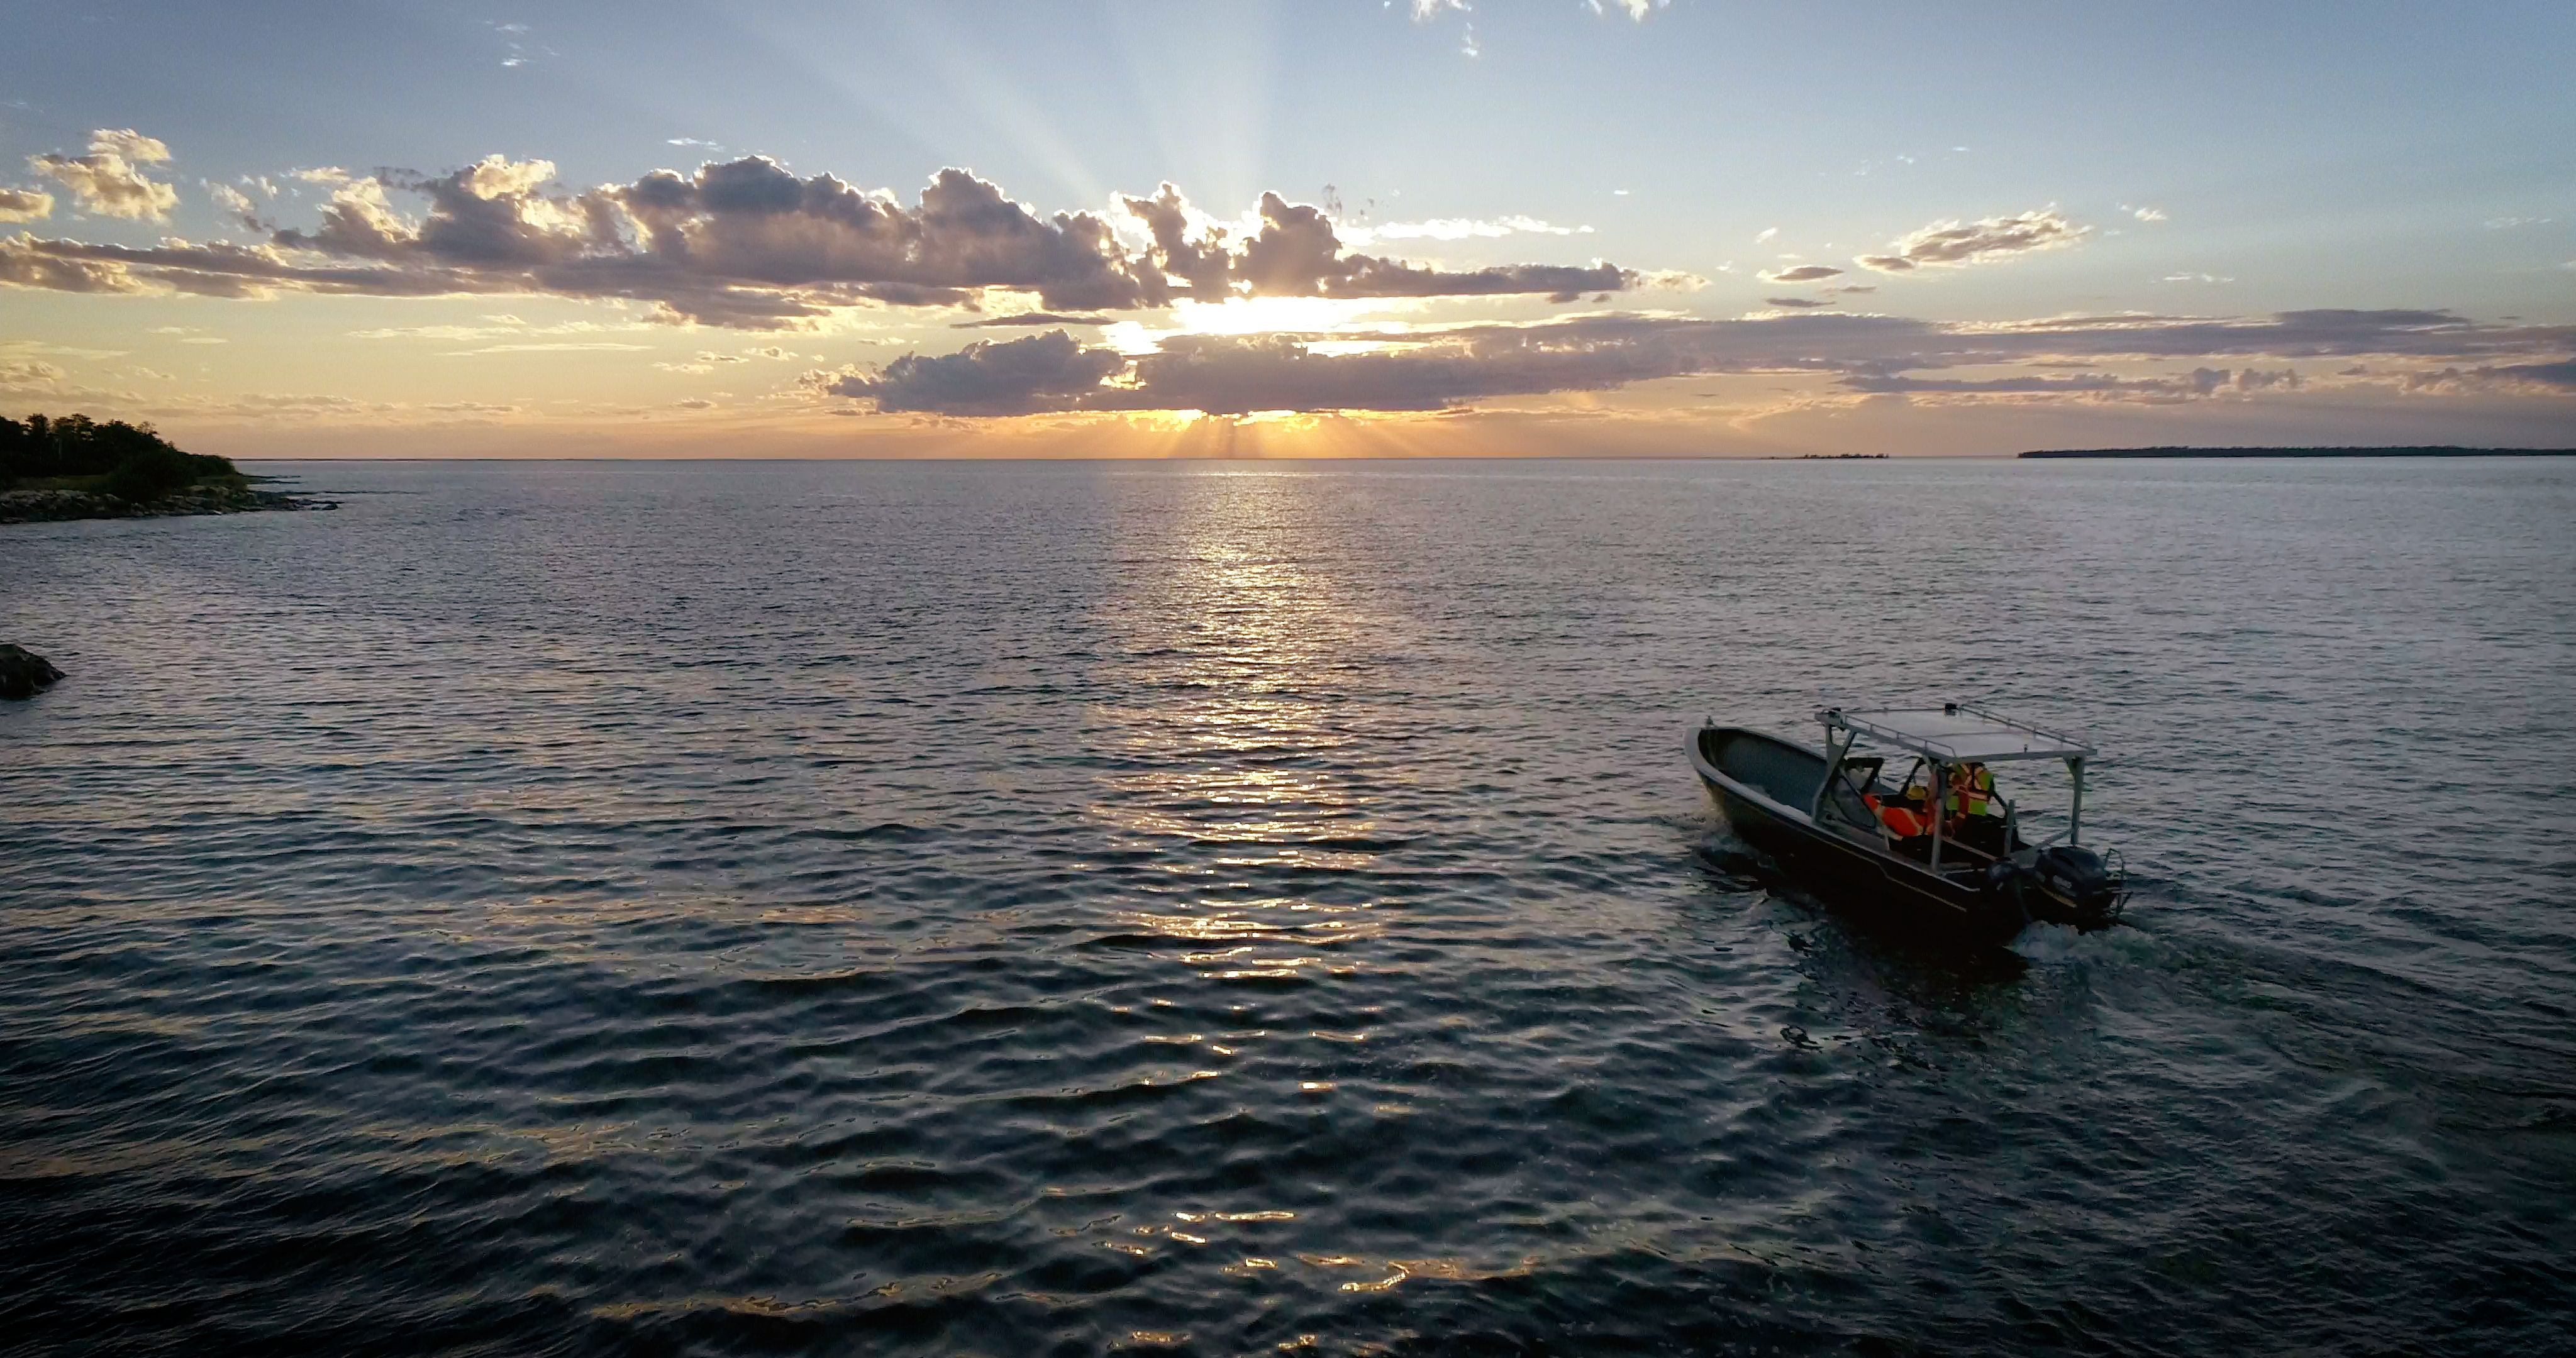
[1895,890]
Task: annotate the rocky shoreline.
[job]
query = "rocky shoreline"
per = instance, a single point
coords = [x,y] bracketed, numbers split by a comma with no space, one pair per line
[48,506]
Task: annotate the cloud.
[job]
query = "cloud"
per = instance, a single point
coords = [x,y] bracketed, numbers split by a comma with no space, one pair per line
[1945,245]
[109,181]
[1414,370]
[2559,374]
[1795,302]
[515,49]
[235,204]
[2148,214]
[547,347]
[19,373]
[2527,378]
[495,327]
[1188,251]
[989,377]
[1804,273]
[1026,318]
[1766,235]
[129,144]
[12,347]
[1297,254]
[707,361]
[25,205]
[1465,228]
[745,243]
[2200,382]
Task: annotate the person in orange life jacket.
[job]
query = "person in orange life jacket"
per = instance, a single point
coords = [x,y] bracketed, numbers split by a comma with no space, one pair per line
[1909,813]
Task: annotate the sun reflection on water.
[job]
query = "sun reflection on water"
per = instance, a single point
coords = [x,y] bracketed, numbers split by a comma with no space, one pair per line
[1258,800]
[1253,781]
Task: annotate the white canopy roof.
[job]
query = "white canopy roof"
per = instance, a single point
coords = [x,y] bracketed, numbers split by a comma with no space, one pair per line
[1956,733]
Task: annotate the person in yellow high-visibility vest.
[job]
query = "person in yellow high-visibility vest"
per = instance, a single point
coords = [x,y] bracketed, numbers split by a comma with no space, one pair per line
[1972,793]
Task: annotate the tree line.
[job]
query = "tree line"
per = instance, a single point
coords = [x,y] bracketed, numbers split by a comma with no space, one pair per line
[129,461]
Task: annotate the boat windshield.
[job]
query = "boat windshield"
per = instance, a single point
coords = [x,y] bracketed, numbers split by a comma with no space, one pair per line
[1853,785]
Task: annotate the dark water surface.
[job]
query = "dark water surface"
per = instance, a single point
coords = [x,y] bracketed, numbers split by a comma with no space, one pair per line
[1225,908]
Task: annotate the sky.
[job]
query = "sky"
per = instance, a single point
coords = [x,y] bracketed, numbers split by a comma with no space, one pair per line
[1328,228]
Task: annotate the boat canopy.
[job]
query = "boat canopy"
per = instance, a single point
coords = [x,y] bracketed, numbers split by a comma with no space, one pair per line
[1956,733]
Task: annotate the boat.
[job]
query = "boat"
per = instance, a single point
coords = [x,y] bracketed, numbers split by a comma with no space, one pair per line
[1941,849]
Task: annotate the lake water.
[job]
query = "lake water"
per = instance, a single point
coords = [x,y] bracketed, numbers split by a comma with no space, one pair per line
[1230,907]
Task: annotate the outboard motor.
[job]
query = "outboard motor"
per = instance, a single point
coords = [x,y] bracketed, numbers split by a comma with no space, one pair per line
[2084,880]
[2066,884]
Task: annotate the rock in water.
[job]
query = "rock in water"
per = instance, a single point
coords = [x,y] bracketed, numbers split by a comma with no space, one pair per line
[22,672]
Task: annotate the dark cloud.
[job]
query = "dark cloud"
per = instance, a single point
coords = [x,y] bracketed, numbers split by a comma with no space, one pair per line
[1191,257]
[1234,375]
[217,270]
[2199,382]
[1804,273]
[2513,377]
[1030,318]
[1297,254]
[989,377]
[1371,277]
[747,243]
[2560,374]
[1800,303]
[1433,370]
[1954,244]
[1885,383]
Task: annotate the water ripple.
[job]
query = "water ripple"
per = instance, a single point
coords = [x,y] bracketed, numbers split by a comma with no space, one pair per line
[1169,909]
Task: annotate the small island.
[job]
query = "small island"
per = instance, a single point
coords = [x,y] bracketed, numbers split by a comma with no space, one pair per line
[78,468]
[2306,452]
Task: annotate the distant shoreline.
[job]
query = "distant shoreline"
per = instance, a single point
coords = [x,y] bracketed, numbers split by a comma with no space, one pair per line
[63,506]
[2305,452]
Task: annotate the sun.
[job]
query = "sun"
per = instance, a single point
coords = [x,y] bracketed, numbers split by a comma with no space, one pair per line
[1263,316]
